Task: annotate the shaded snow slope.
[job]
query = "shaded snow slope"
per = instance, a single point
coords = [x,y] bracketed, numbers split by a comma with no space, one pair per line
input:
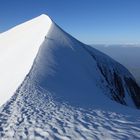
[80,74]
[18,48]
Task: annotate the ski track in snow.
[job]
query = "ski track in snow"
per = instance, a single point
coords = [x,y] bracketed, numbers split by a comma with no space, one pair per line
[37,117]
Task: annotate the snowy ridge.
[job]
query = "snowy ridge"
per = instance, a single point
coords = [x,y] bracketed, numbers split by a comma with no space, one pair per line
[18,49]
[69,92]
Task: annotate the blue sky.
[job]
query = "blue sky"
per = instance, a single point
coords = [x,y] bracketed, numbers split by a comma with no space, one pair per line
[91,21]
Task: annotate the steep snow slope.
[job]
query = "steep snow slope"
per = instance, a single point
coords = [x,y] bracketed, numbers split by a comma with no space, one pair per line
[66,94]
[18,48]
[80,74]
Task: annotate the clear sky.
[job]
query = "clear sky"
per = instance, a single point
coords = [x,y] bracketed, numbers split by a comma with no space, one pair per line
[91,21]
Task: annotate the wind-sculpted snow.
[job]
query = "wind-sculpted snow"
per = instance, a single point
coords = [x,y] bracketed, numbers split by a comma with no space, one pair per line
[33,114]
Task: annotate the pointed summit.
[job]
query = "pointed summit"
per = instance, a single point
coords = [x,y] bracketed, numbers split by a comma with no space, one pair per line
[44,16]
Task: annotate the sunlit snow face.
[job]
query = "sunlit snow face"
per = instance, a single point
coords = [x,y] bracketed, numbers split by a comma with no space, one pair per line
[18,49]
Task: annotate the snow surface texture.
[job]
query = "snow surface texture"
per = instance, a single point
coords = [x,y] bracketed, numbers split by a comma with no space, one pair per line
[66,94]
[33,114]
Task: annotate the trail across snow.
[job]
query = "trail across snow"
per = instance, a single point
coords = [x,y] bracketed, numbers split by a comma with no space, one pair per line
[33,114]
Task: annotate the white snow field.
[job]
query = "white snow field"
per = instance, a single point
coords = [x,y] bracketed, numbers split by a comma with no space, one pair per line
[18,48]
[58,88]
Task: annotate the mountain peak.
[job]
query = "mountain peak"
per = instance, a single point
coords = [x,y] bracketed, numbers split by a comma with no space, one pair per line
[39,40]
[55,87]
[43,17]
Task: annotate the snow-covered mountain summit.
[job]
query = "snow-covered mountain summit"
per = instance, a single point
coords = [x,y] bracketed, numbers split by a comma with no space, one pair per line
[51,78]
[62,65]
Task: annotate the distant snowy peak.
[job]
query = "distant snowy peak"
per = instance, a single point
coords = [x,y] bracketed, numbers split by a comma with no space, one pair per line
[42,55]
